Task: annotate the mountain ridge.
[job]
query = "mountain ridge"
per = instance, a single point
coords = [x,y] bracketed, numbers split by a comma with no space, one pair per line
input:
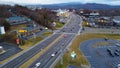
[76,5]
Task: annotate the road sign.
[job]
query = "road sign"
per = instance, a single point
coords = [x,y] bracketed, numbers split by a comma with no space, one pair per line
[73,55]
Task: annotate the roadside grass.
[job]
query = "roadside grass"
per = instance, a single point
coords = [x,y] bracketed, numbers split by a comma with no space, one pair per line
[18,26]
[29,43]
[3,52]
[26,64]
[75,46]
[59,25]
[48,33]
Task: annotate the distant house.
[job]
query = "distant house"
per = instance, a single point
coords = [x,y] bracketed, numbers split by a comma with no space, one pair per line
[105,21]
[16,20]
[81,11]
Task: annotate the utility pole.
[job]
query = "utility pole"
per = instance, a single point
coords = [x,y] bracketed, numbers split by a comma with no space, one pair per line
[34,29]
[18,38]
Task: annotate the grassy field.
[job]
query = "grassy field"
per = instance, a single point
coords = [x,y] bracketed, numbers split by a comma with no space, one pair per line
[59,25]
[18,26]
[75,46]
[29,43]
[47,33]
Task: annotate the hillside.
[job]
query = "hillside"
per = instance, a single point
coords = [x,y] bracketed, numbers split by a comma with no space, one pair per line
[78,6]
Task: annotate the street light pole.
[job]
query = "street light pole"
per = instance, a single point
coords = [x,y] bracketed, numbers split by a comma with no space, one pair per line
[34,29]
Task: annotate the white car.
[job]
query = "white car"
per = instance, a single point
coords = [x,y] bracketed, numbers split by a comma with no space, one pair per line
[37,64]
[118,66]
[54,53]
[117,44]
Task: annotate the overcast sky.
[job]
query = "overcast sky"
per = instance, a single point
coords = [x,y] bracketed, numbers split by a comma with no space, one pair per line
[111,2]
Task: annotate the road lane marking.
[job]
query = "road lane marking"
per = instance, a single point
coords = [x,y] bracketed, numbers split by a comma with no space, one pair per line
[26,64]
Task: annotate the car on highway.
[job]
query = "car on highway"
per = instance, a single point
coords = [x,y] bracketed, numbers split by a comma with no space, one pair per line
[54,53]
[37,65]
[105,39]
[117,44]
[118,66]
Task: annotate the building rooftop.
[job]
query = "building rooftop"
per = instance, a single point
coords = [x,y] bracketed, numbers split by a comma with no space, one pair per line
[15,20]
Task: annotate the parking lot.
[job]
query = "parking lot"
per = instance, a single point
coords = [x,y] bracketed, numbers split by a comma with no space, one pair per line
[111,54]
[10,50]
[107,56]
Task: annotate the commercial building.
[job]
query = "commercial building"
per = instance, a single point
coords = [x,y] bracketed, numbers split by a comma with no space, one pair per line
[16,20]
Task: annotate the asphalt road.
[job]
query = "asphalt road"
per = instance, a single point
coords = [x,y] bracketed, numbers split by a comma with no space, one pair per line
[46,59]
[11,50]
[98,57]
[101,30]
[70,31]
[73,26]
[16,62]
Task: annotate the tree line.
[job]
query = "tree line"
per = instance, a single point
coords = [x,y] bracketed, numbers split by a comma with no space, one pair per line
[42,17]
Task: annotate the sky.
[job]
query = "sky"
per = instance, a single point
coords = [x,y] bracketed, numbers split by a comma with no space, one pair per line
[110,2]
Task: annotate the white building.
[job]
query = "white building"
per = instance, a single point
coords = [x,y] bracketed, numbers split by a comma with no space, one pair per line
[61,12]
[2,30]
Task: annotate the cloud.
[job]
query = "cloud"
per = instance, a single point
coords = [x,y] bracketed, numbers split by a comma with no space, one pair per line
[111,2]
[21,1]
[55,1]
[116,2]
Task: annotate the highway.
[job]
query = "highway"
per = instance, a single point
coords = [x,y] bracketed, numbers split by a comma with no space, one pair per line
[70,31]
[47,60]
[16,62]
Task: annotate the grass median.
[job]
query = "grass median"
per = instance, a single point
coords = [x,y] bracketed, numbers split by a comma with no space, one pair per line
[26,64]
[48,33]
[75,46]
[59,25]
[31,42]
